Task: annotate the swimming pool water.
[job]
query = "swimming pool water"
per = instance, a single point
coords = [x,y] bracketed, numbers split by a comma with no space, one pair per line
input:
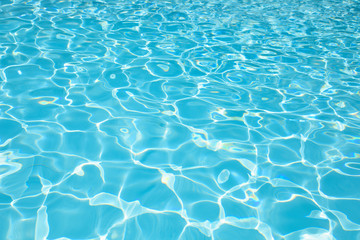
[193,119]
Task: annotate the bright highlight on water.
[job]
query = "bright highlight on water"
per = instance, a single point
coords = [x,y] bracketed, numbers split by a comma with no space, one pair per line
[167,120]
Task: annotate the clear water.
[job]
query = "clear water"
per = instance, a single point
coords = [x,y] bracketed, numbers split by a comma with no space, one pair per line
[180,119]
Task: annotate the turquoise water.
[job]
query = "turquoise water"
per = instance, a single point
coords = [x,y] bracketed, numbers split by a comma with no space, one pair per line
[180,119]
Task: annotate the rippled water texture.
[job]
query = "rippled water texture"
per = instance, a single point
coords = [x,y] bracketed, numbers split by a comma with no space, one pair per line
[193,119]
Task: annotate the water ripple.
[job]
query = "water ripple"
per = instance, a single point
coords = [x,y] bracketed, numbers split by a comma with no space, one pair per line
[179,120]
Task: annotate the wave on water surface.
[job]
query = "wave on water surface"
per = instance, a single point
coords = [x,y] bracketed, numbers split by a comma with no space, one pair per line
[192,119]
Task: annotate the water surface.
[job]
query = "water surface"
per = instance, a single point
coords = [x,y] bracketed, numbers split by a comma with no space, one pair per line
[179,119]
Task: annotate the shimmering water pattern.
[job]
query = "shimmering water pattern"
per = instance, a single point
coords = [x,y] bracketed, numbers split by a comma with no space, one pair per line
[180,119]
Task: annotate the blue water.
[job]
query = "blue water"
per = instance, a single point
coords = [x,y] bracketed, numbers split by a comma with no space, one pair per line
[196,119]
